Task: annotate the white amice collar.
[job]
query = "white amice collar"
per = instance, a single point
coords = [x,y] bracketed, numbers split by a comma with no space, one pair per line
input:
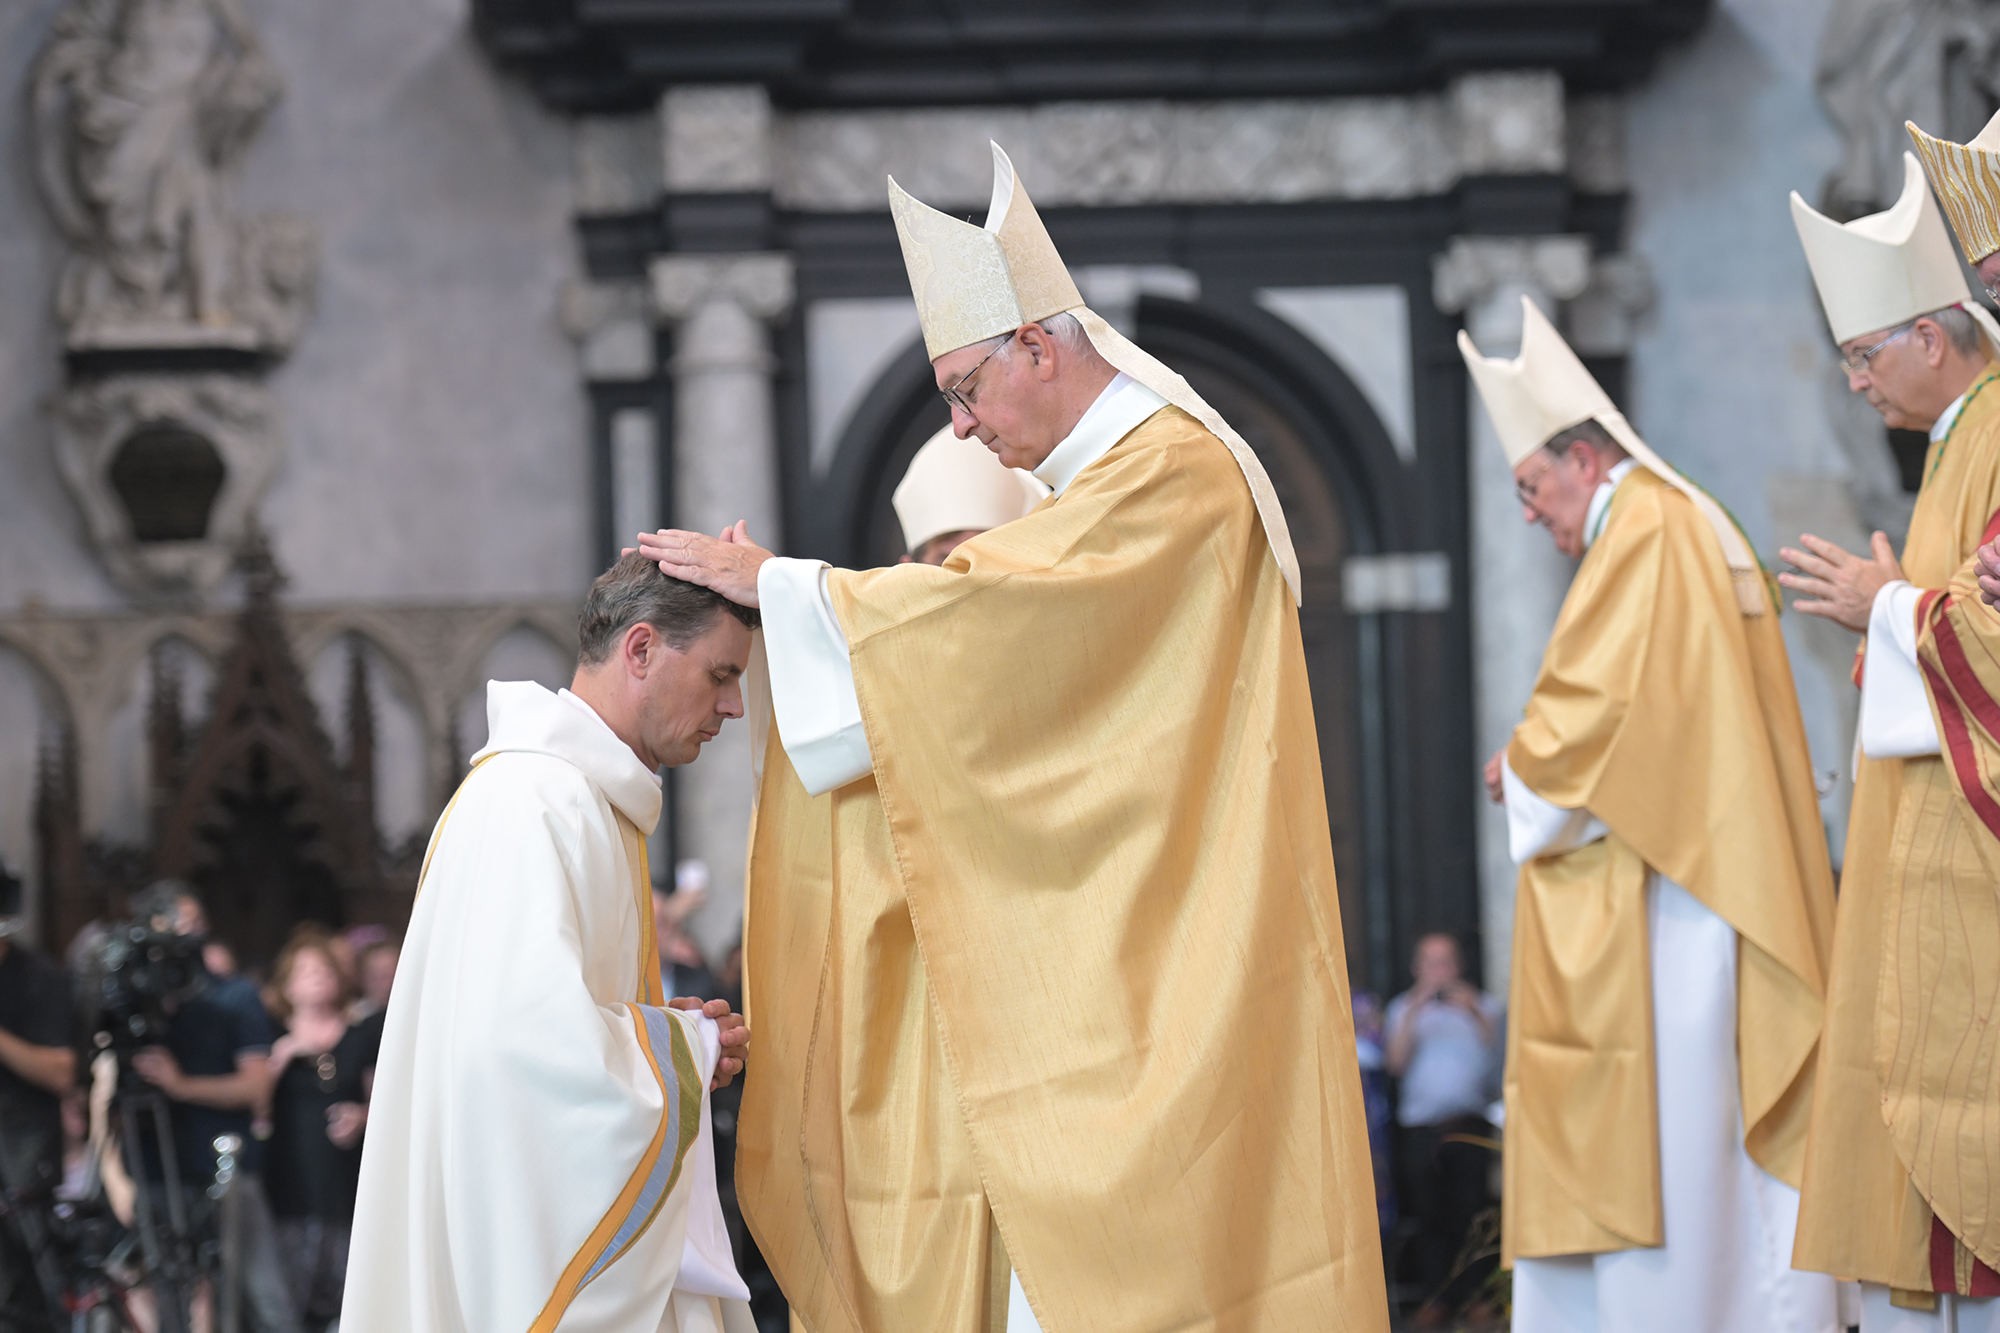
[1947,419]
[1123,405]
[1600,500]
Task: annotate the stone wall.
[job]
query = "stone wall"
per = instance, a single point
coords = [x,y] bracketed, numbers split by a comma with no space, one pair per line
[435,430]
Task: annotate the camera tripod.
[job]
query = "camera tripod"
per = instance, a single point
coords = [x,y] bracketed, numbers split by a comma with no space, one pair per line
[90,1272]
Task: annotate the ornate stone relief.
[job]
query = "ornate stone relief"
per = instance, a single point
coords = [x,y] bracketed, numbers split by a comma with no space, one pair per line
[1109,153]
[113,437]
[142,110]
[141,113]
[1882,62]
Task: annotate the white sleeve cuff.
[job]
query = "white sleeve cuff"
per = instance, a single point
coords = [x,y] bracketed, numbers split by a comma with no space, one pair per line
[812,678]
[1536,827]
[1896,721]
[707,1266]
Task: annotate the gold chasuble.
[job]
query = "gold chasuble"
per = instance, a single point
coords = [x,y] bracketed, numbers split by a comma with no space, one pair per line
[1906,1124]
[1060,984]
[1670,715]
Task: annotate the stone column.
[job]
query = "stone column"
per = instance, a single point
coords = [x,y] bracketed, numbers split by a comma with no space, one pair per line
[725,468]
[1518,577]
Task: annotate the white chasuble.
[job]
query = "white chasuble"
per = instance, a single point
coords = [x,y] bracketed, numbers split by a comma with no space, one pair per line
[538,1154]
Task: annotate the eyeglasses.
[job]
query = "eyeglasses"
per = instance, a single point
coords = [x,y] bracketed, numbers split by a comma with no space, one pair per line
[1858,363]
[1524,490]
[953,397]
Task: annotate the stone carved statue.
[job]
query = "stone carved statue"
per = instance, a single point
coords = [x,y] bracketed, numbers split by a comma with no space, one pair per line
[1882,62]
[141,111]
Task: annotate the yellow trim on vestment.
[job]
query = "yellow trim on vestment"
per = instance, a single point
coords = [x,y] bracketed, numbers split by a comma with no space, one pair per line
[586,1257]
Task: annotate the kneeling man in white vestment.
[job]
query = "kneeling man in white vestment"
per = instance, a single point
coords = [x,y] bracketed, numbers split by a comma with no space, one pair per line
[539,1153]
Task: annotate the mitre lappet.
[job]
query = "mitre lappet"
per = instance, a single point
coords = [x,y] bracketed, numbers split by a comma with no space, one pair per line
[974,283]
[956,485]
[1886,269]
[1967,177]
[1546,390]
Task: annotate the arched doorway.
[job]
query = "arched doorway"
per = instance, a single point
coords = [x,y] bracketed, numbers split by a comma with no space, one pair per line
[1307,450]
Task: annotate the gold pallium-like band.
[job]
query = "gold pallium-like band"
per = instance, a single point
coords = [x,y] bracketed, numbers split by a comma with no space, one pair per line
[649,994]
[1967,181]
[577,1274]
[438,832]
[578,1271]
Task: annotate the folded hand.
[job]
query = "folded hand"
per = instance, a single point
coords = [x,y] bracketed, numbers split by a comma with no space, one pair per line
[735,1034]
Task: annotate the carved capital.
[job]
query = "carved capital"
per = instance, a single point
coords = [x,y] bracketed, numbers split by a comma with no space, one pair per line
[1477,268]
[612,323]
[1604,316]
[759,284]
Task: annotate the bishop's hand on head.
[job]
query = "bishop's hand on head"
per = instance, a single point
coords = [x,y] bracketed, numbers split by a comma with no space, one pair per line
[727,563]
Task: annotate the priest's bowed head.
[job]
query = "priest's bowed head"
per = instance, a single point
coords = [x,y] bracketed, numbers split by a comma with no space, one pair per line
[1056,767]
[540,1154]
[1911,340]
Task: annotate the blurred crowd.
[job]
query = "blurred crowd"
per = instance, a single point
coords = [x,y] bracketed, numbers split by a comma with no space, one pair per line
[277,1058]
[264,1070]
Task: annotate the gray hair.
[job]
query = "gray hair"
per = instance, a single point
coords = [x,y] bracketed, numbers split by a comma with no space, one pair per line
[634,591]
[1961,330]
[1587,431]
[1065,331]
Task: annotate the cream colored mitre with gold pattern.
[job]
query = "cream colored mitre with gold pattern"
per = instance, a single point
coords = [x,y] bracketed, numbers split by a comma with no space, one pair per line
[1546,390]
[956,485]
[1887,268]
[1967,177]
[974,283]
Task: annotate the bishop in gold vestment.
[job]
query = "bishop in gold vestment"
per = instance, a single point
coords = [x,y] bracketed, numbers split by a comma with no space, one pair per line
[1044,947]
[1902,1168]
[1675,903]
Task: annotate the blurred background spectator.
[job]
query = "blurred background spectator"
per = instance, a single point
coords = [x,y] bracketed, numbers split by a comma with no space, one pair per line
[322,1069]
[1378,1104]
[214,1070]
[683,970]
[376,963]
[1443,1049]
[37,1069]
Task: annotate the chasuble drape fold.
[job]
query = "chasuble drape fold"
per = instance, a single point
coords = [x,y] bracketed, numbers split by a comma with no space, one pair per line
[1907,1125]
[1671,716]
[1074,950]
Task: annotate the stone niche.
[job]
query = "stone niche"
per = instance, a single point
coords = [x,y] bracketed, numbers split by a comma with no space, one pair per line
[168,470]
[171,304]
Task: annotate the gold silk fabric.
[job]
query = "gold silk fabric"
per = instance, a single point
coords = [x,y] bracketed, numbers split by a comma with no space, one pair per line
[1073,953]
[1671,716]
[1906,1123]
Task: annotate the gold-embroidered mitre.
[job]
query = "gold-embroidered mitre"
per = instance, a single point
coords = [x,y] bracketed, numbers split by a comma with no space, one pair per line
[1884,269]
[974,283]
[1546,390]
[1967,177]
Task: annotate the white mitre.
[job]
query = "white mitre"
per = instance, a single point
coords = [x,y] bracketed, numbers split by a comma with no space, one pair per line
[1886,269]
[974,283]
[1546,390]
[956,485]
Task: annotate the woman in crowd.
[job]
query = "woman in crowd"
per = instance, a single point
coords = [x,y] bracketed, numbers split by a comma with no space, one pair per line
[321,1070]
